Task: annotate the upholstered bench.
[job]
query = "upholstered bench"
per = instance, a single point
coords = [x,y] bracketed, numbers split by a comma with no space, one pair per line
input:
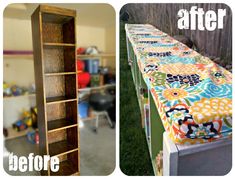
[179,91]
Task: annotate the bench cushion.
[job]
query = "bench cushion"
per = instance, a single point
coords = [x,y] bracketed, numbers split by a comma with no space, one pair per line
[193,94]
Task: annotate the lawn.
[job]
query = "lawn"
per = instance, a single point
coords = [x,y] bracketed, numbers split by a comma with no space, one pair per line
[134,155]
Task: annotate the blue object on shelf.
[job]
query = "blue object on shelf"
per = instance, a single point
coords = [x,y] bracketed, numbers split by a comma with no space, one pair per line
[92,65]
[83,109]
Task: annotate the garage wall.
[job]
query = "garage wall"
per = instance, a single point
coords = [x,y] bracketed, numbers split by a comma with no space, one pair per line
[17,34]
[87,35]
[110,46]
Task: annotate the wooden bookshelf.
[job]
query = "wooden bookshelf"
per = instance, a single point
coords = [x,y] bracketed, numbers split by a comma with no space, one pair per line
[60,124]
[54,45]
[67,166]
[58,44]
[58,99]
[60,73]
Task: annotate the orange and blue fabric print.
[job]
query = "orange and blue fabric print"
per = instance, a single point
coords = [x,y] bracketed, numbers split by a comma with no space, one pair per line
[194,93]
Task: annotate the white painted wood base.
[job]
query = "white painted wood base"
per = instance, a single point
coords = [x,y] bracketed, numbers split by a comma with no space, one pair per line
[212,159]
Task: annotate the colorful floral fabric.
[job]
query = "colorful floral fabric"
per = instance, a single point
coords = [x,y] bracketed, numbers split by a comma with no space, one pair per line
[192,93]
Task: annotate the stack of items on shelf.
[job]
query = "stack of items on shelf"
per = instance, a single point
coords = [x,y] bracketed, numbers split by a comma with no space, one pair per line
[91,73]
[88,67]
[10,89]
[92,67]
[92,50]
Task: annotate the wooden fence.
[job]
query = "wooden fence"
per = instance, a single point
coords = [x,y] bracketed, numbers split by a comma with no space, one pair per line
[216,43]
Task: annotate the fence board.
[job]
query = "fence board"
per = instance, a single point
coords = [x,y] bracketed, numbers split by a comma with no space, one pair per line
[217,43]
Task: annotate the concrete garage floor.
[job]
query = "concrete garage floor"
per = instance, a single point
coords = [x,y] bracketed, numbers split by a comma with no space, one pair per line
[97,150]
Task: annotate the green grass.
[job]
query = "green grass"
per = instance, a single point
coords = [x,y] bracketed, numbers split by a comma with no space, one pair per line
[134,155]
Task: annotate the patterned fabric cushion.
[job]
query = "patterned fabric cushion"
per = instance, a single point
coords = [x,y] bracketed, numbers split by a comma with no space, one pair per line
[193,95]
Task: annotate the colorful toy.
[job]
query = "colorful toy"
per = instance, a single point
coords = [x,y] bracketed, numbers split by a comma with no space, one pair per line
[26,117]
[33,137]
[16,91]
[19,126]
[24,122]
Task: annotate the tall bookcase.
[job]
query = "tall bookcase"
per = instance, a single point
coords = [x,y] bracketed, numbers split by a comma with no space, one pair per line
[54,47]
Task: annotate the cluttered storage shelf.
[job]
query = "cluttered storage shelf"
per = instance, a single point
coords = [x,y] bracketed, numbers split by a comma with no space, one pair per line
[95,76]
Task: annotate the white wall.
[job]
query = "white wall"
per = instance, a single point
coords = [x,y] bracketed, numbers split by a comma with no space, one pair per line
[110,46]
[17,34]
[110,36]
[19,71]
[88,35]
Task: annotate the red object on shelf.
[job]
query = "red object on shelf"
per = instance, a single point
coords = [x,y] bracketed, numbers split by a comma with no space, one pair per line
[83,79]
[81,50]
[80,65]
